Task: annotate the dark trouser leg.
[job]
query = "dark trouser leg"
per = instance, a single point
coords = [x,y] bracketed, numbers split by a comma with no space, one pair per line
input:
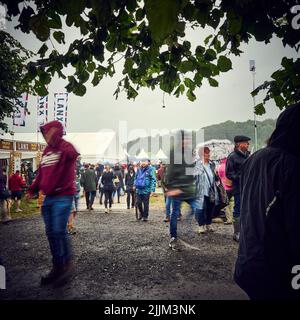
[139,203]
[128,199]
[110,197]
[87,198]
[93,195]
[101,196]
[209,211]
[133,198]
[146,200]
[106,197]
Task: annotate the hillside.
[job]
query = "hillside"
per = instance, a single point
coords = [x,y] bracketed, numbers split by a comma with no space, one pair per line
[224,130]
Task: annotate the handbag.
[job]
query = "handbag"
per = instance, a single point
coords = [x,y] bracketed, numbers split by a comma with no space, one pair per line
[211,191]
[224,201]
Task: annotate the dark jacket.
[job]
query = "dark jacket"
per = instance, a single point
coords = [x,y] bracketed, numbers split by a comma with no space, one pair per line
[3,182]
[233,168]
[180,176]
[88,180]
[118,173]
[129,181]
[270,219]
[108,181]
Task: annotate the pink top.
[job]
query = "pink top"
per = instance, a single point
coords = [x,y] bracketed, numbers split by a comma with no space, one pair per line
[221,173]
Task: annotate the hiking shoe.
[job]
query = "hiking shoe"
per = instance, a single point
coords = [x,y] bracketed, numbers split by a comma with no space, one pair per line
[201,230]
[236,237]
[209,228]
[167,219]
[65,274]
[173,244]
[50,277]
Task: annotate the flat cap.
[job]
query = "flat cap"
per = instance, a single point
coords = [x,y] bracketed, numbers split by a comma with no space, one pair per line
[241,139]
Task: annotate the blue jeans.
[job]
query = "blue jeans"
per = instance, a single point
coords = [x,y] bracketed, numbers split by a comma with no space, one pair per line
[237,205]
[193,203]
[89,198]
[169,201]
[55,212]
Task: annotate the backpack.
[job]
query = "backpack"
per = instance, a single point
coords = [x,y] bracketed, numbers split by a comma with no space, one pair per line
[140,181]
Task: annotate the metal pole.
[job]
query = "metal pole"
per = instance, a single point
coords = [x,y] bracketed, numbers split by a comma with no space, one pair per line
[254,104]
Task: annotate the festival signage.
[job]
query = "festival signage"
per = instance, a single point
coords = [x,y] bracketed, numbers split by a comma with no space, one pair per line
[20,112]
[61,108]
[42,111]
[6,145]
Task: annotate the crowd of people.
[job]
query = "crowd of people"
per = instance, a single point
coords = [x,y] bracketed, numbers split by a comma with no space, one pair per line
[258,194]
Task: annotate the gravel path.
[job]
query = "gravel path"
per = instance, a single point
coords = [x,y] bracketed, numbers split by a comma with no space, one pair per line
[118,257]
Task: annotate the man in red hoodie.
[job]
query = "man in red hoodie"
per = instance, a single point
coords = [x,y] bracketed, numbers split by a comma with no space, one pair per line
[15,185]
[56,176]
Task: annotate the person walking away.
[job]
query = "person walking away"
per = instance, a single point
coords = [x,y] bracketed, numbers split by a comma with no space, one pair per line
[108,187]
[234,164]
[119,181]
[29,174]
[206,190]
[180,181]
[144,184]
[55,179]
[129,183]
[4,196]
[15,185]
[75,207]
[88,181]
[267,266]
[228,188]
[101,190]
[99,170]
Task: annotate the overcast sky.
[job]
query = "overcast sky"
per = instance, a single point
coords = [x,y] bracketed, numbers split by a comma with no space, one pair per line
[98,109]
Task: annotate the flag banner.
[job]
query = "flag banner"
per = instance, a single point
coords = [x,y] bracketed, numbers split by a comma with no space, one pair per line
[20,112]
[61,108]
[42,111]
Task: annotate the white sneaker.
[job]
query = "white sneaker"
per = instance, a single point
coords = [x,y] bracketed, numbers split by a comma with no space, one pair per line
[173,243]
[106,211]
[209,228]
[19,210]
[201,230]
[110,210]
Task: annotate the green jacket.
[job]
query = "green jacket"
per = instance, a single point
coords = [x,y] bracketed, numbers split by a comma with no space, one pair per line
[180,176]
[88,180]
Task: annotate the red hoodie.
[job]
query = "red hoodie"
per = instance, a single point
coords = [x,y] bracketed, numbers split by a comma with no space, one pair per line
[56,173]
[16,182]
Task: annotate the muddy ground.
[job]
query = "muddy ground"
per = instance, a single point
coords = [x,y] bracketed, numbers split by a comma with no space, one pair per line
[118,257]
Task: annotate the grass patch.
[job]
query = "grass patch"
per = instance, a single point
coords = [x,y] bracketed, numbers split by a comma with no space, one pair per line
[28,207]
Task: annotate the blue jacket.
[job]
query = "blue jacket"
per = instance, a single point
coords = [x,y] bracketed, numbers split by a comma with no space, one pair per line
[150,180]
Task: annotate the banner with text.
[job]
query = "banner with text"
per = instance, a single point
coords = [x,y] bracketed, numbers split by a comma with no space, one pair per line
[21,110]
[42,111]
[61,108]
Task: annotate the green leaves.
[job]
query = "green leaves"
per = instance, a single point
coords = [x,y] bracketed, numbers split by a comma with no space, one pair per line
[39,26]
[224,64]
[59,36]
[43,49]
[163,18]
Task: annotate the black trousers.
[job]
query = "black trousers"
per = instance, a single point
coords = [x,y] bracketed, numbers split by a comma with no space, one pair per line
[101,193]
[89,198]
[142,202]
[108,198]
[130,193]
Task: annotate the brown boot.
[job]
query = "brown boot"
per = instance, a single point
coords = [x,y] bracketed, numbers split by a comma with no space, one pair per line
[51,276]
[65,274]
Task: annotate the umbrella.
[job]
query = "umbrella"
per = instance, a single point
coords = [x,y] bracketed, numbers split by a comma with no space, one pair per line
[219,149]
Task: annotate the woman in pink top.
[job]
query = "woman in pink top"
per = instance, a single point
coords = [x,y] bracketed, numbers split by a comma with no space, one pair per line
[228,187]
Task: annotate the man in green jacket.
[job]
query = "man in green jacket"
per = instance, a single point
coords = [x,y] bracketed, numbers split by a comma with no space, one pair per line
[179,180]
[88,181]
